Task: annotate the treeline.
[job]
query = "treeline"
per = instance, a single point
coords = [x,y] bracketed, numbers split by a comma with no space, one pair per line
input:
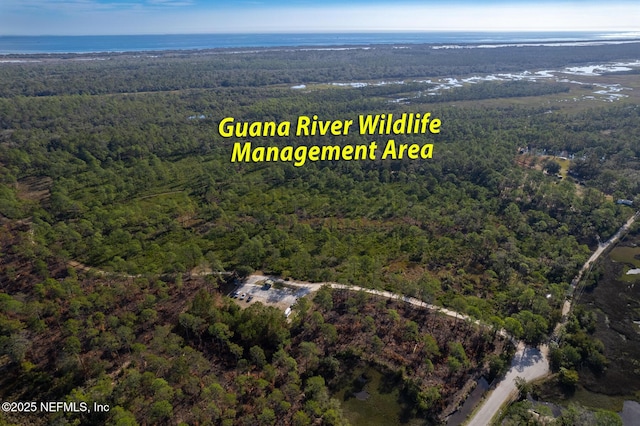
[158,71]
[493,90]
[155,349]
[141,184]
[602,143]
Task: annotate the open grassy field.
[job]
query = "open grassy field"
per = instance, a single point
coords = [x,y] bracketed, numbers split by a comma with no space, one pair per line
[629,255]
[630,258]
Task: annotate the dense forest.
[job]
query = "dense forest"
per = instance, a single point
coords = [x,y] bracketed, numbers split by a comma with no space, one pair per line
[119,204]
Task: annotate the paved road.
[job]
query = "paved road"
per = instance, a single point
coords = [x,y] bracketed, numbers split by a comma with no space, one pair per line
[528,363]
[535,363]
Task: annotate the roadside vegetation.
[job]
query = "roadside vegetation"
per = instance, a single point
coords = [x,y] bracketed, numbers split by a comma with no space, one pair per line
[118,165]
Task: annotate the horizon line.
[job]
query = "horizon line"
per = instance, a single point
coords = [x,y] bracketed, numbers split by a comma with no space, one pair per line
[630,32]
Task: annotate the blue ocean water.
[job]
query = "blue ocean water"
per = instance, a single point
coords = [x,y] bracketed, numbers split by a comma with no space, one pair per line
[134,43]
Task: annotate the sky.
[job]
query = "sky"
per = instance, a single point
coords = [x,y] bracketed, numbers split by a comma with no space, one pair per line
[110,17]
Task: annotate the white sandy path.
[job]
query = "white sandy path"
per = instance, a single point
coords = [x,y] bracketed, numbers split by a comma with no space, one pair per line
[258,279]
[528,363]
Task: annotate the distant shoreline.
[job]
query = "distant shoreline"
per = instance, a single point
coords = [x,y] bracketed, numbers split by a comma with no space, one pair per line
[55,46]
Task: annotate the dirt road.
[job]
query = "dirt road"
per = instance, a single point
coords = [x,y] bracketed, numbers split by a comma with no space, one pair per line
[535,363]
[566,308]
[528,363]
[257,280]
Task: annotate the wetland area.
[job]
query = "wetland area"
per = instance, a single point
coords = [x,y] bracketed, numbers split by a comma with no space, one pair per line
[613,295]
[371,396]
[117,163]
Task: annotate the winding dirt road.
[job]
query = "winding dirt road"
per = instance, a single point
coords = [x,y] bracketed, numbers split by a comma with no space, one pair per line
[528,363]
[256,279]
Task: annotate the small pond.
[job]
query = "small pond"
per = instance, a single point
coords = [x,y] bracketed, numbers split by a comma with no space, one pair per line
[369,397]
